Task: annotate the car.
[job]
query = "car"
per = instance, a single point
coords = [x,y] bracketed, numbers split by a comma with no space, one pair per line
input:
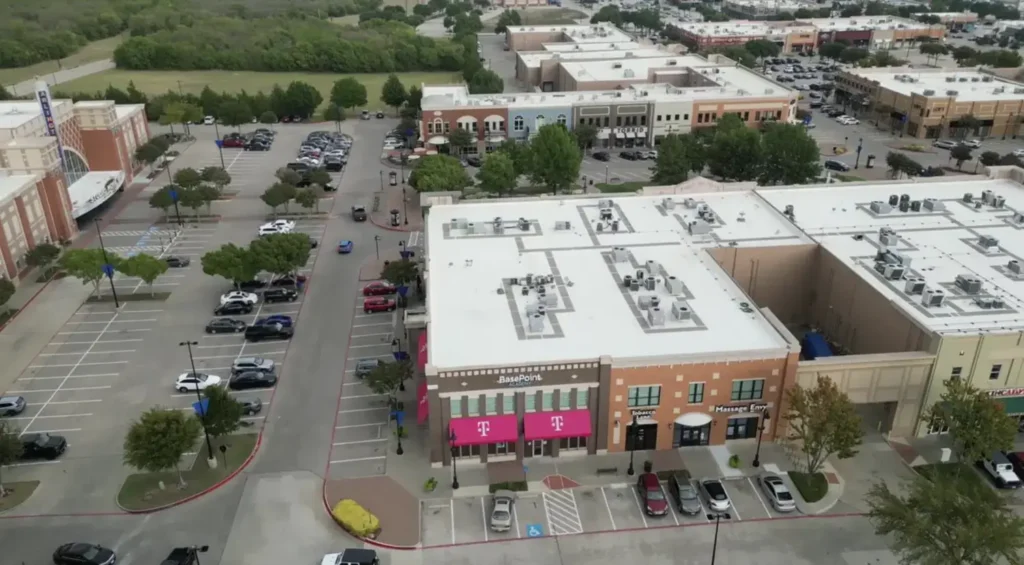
[379,288]
[944,144]
[601,156]
[280,295]
[358,214]
[282,224]
[1018,153]
[288,281]
[351,557]
[269,230]
[225,325]
[253,363]
[252,379]
[972,143]
[174,261]
[251,406]
[12,405]
[264,131]
[250,285]
[501,511]
[184,556]
[282,319]
[652,498]
[1000,469]
[84,553]
[815,104]
[239,296]
[378,304]
[629,155]
[269,331]
[777,492]
[474,161]
[833,165]
[718,499]
[345,246]
[380,115]
[650,155]
[189,382]
[232,309]
[835,113]
[333,165]
[255,145]
[233,142]
[209,121]
[848,120]
[366,366]
[684,495]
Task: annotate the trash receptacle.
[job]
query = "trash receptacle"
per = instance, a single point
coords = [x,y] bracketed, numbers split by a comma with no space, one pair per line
[393,178]
[395,217]
[870,163]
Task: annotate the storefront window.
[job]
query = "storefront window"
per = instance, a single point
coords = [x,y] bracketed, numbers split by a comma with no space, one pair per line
[936,426]
[456,407]
[644,396]
[508,403]
[467,451]
[565,400]
[531,402]
[547,402]
[748,390]
[473,406]
[491,405]
[504,448]
[741,428]
[572,443]
[581,397]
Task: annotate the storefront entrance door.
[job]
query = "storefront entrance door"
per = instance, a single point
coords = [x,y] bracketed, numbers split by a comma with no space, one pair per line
[646,437]
[688,436]
[538,448]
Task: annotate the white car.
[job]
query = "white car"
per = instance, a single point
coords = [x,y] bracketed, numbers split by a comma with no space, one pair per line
[238,296]
[283,225]
[972,143]
[209,120]
[269,230]
[848,120]
[190,382]
[1018,153]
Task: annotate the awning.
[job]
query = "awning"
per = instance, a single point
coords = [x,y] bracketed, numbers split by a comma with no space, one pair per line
[421,350]
[438,140]
[1013,405]
[604,134]
[496,136]
[483,429]
[422,403]
[630,135]
[694,420]
[557,425]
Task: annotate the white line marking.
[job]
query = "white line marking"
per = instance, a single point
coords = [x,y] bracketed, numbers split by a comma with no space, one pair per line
[57,431]
[609,507]
[33,463]
[239,355]
[363,410]
[363,396]
[731,499]
[119,321]
[515,520]
[483,514]
[671,507]
[59,389]
[50,417]
[451,512]
[83,332]
[72,376]
[370,345]
[357,426]
[76,365]
[69,402]
[89,352]
[759,499]
[357,459]
[368,326]
[643,515]
[359,442]
[89,342]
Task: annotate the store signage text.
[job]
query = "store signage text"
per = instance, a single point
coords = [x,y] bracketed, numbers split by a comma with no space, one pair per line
[483,428]
[642,413]
[520,380]
[1006,392]
[752,407]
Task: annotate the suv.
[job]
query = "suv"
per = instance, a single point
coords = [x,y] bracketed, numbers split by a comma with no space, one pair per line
[365,366]
[651,495]
[359,213]
[684,495]
[12,405]
[42,446]
[833,165]
[268,331]
[243,364]
[1000,470]
[280,295]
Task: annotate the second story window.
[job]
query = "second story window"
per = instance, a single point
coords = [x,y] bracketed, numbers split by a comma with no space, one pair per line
[752,389]
[644,396]
[517,123]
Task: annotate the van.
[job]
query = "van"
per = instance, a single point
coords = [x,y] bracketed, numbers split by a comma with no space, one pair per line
[1001,470]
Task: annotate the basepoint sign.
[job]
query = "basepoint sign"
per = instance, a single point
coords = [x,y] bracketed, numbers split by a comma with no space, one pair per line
[520,380]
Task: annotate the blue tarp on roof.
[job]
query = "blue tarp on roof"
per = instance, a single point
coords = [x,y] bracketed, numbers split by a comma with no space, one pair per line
[815,346]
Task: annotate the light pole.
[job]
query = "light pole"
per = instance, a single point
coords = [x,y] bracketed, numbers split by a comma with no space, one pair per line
[606,174]
[760,433]
[632,447]
[199,398]
[455,470]
[397,344]
[860,146]
[1008,127]
[108,269]
[220,144]
[376,246]
[714,546]
[382,180]
[405,203]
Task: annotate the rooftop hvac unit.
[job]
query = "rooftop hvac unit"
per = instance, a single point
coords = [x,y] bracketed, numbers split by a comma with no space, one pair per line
[970,284]
[893,272]
[894,199]
[620,254]
[914,285]
[698,227]
[562,226]
[975,79]
[656,317]
[888,239]
[950,79]
[1013,266]
[952,93]
[615,225]
[524,224]
[549,299]
[650,283]
[634,285]
[599,227]
[929,92]
[986,78]
[998,202]
[681,310]
[962,79]
[932,297]
[789,212]
[459,223]
[1018,90]
[644,301]
[984,302]
[987,196]
[652,267]
[915,206]
[606,214]
[933,205]
[689,203]
[673,286]
[904,205]
[988,242]
[617,65]
[471,228]
[1018,217]
[968,197]
[536,323]
[668,203]
[673,63]
[880,207]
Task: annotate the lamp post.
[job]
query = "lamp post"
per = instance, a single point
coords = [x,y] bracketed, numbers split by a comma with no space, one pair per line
[174,198]
[1008,125]
[632,447]
[455,470]
[765,416]
[860,146]
[376,245]
[199,398]
[397,344]
[220,144]
[382,180]
[606,174]
[108,269]
[405,203]
[714,545]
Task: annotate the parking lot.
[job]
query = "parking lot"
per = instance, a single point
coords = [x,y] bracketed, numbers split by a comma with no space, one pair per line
[576,511]
[189,242]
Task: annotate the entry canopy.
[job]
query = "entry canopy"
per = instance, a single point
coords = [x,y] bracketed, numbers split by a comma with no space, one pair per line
[694,419]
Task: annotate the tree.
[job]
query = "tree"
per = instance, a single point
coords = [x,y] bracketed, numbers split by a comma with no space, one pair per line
[438,173]
[393,92]
[308,199]
[234,113]
[415,98]
[506,19]
[162,199]
[832,50]
[334,113]
[300,99]
[884,59]
[762,49]
[822,422]
[173,114]
[960,153]
[232,262]
[42,255]
[387,378]
[86,265]
[148,153]
[268,117]
[672,166]
[143,266]
[790,155]
[486,82]
[976,422]
[281,253]
[400,273]
[192,198]
[899,164]
[966,125]
[554,158]
[206,194]
[933,50]
[945,519]
[459,139]
[223,413]
[736,153]
[497,174]
[348,93]
[519,152]
[159,438]
[585,135]
[288,176]
[187,178]
[963,55]
[989,158]
[7,290]
[853,55]
[277,195]
[10,449]
[216,176]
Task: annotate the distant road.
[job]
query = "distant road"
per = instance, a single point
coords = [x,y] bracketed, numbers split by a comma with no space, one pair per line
[26,88]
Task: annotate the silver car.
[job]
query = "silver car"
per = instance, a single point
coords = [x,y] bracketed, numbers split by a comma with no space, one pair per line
[777,492]
[243,364]
[12,405]
[501,514]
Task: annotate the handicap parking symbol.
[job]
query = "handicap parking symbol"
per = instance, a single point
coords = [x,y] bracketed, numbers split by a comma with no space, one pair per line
[534,531]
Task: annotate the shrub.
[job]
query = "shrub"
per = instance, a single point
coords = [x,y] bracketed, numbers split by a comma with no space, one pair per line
[516,486]
[664,475]
[734,461]
[430,485]
[812,487]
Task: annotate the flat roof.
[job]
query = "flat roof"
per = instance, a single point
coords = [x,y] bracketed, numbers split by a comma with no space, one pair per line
[583,33]
[742,28]
[730,80]
[128,110]
[535,58]
[865,23]
[939,239]
[29,142]
[489,260]
[965,85]
[603,46]
[777,5]
[16,113]
[13,185]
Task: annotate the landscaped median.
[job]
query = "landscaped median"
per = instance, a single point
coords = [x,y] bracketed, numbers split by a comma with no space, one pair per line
[812,486]
[142,492]
[631,186]
[16,493]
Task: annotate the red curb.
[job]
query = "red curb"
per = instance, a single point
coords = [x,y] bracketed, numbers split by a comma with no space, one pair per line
[387,227]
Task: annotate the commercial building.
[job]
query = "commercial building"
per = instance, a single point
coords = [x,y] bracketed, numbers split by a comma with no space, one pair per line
[791,37]
[929,103]
[957,21]
[59,160]
[540,70]
[875,32]
[533,38]
[765,8]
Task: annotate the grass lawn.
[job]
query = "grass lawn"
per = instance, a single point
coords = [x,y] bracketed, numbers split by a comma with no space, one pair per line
[631,186]
[159,82]
[550,16]
[17,493]
[95,51]
[812,487]
[141,491]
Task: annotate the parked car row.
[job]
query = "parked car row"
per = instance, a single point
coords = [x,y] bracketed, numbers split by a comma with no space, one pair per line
[627,155]
[322,149]
[260,139]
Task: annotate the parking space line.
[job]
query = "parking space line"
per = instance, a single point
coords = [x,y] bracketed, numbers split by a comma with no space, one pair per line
[82,332]
[758,495]
[643,515]
[358,459]
[76,365]
[609,507]
[66,430]
[119,321]
[88,342]
[60,389]
[57,416]
[561,504]
[451,513]
[358,426]
[483,514]
[98,375]
[360,441]
[68,402]
[671,507]
[87,353]
[372,335]
[31,463]
[369,325]
[370,345]
[241,354]
[734,511]
[515,520]
[354,410]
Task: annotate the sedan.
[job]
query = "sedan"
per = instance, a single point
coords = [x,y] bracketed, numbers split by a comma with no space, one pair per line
[833,165]
[601,156]
[283,224]
[233,142]
[629,155]
[232,309]
[83,553]
[972,143]
[378,304]
[257,146]
[777,492]
[288,281]
[849,121]
[12,405]
[379,288]
[501,514]
[252,379]
[345,247]
[239,296]
[191,381]
[285,321]
[42,446]
[474,162]
[718,499]
[174,261]
[251,406]
[225,325]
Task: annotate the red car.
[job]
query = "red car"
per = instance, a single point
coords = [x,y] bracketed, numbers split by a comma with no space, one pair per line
[378,304]
[651,495]
[233,142]
[379,288]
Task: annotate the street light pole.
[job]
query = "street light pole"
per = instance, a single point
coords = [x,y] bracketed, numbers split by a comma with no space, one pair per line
[760,433]
[382,180]
[220,144]
[196,550]
[376,246]
[455,470]
[860,146]
[107,267]
[632,447]
[199,398]
[405,203]
[714,546]
[606,174]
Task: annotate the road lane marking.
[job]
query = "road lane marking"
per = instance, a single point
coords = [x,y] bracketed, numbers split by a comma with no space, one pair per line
[758,495]
[51,417]
[89,342]
[76,365]
[609,507]
[72,376]
[358,459]
[359,442]
[354,410]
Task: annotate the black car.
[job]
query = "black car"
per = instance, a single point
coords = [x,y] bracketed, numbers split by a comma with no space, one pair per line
[380,115]
[474,161]
[834,165]
[835,113]
[225,325]
[175,262]
[252,379]
[42,446]
[333,164]
[83,554]
[601,156]
[232,308]
[629,155]
[251,406]
[288,281]
[249,286]
[815,103]
[257,146]
[280,295]
[264,132]
[268,331]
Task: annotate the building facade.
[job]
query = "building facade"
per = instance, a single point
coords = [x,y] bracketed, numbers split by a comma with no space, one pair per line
[530,114]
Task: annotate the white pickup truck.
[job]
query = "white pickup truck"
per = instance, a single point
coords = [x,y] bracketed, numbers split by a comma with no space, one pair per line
[1001,470]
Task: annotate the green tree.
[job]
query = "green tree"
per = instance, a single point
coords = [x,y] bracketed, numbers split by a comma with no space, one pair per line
[400,273]
[736,153]
[301,99]
[234,113]
[933,51]
[978,424]
[853,55]
[148,153]
[554,159]
[393,92]
[459,139]
[832,50]
[437,173]
[944,519]
[791,156]
[989,158]
[162,199]
[519,152]
[308,199]
[7,290]
[695,150]
[281,253]
[486,82]
[762,49]
[207,194]
[216,176]
[159,438]
[506,19]
[10,449]
[191,114]
[672,166]
[334,113]
[268,117]
[348,93]
[173,114]
[960,153]
[277,195]
[42,255]
[585,135]
[192,198]
[231,262]
[288,176]
[321,178]
[963,55]
[387,378]
[223,413]
[497,174]
[187,178]
[966,125]
[415,98]
[822,422]
[143,266]
[86,265]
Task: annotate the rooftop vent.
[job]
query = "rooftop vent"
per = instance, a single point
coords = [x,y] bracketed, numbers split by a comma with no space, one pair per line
[950,79]
[929,92]
[970,284]
[617,65]
[952,92]
[1018,90]
[962,79]
[975,79]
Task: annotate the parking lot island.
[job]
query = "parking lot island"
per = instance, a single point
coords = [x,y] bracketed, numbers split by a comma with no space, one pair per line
[396,508]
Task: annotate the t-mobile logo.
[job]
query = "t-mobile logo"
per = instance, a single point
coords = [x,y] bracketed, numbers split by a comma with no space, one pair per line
[557,422]
[483,428]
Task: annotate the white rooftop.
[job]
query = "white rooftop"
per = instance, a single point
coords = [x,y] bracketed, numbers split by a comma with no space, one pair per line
[14,114]
[579,250]
[128,110]
[777,5]
[742,28]
[982,239]
[589,33]
[13,185]
[534,58]
[966,85]
[605,46]
[865,23]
